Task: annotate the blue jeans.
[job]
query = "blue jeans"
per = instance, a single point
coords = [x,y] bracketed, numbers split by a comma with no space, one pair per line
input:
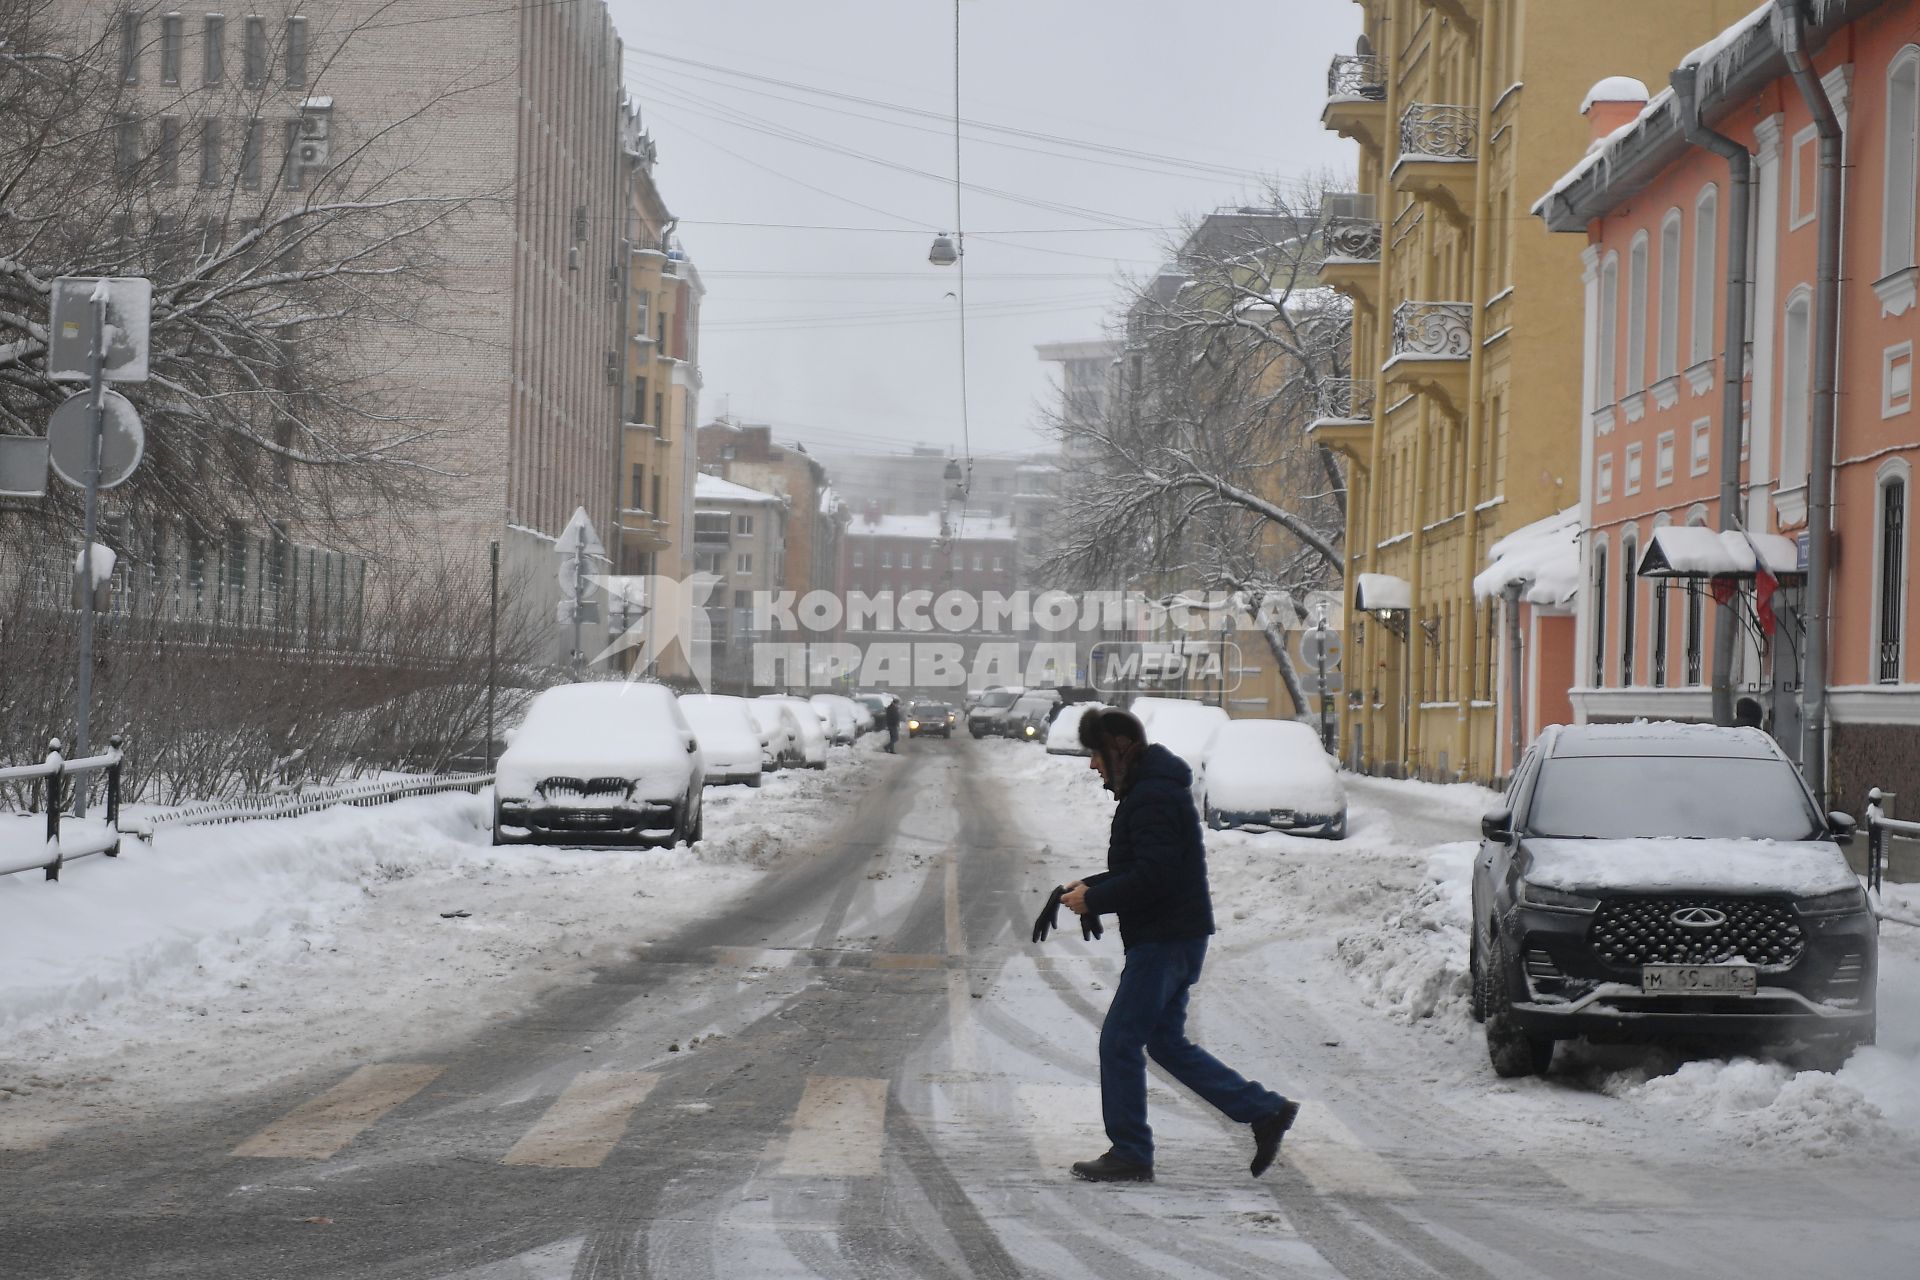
[1148,1018]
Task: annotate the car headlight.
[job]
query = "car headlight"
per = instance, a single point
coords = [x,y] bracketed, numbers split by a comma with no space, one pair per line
[1540,895]
[913,724]
[1840,902]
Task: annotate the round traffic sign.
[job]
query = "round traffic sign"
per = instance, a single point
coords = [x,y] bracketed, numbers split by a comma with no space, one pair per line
[123,440]
[1313,644]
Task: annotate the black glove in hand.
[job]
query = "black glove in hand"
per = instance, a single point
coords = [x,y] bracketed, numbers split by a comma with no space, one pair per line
[1049,919]
[1090,927]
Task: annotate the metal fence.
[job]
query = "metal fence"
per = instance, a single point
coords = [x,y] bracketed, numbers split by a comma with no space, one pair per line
[67,839]
[310,800]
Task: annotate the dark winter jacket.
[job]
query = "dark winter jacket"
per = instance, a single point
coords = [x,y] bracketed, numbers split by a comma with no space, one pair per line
[1156,876]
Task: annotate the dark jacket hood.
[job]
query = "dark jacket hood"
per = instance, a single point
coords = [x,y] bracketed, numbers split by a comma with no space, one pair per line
[1159,765]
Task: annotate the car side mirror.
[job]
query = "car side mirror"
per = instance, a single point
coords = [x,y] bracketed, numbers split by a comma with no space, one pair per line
[691,744]
[1497,825]
[1841,826]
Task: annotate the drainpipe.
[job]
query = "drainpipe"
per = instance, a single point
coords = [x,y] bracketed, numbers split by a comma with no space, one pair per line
[1733,370]
[1813,680]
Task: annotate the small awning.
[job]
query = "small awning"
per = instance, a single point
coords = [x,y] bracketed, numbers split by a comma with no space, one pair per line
[1542,559]
[1381,592]
[1694,552]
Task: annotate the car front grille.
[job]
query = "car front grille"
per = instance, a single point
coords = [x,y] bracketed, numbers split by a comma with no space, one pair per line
[1629,932]
[561,789]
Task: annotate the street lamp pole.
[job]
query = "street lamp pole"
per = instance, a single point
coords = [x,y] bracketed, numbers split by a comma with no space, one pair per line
[89,526]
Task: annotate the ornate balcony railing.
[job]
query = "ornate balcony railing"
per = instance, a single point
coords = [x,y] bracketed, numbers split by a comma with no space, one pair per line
[1353,238]
[1437,131]
[1344,399]
[1357,75]
[1435,330]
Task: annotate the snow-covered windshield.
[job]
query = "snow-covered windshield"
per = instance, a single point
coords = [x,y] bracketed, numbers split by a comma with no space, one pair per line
[1695,797]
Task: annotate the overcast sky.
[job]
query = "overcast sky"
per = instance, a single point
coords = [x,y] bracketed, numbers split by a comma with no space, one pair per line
[847,338]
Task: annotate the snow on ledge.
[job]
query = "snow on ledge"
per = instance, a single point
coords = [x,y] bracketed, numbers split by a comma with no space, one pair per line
[1543,557]
[1376,591]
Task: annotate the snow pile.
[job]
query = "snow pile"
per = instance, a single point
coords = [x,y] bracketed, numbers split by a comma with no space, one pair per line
[1543,557]
[1412,963]
[1761,1104]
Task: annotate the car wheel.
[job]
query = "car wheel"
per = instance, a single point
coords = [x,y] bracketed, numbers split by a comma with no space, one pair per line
[698,831]
[1213,819]
[1512,1051]
[754,781]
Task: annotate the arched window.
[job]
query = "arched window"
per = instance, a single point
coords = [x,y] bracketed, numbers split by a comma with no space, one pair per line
[1600,612]
[1903,161]
[1629,549]
[1796,390]
[1890,550]
[1605,390]
[1706,249]
[1667,358]
[1637,314]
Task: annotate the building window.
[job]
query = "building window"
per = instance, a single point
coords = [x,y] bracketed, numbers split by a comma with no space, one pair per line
[1637,314]
[209,153]
[1796,389]
[659,419]
[1700,446]
[250,156]
[656,508]
[1628,600]
[213,53]
[1630,482]
[1599,615]
[296,53]
[1663,458]
[638,500]
[886,559]
[1603,478]
[1661,590]
[127,147]
[743,563]
[640,400]
[743,524]
[170,39]
[926,559]
[255,69]
[859,559]
[129,47]
[292,172]
[1892,599]
[168,169]
[1605,390]
[999,564]
[1667,357]
[1903,161]
[1896,380]
[1706,273]
[1806,170]
[979,563]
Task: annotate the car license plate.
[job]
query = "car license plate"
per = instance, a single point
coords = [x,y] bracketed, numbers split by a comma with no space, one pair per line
[1699,979]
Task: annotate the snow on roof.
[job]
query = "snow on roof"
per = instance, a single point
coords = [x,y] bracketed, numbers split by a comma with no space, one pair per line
[1711,56]
[1615,89]
[828,500]
[1689,551]
[972,526]
[1601,152]
[708,488]
[1376,591]
[1543,556]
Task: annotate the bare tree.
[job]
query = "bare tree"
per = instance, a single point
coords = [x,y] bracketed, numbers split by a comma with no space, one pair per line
[278,283]
[1200,472]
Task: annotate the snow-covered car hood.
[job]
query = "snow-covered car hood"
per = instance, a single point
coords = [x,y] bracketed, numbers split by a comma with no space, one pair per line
[1799,867]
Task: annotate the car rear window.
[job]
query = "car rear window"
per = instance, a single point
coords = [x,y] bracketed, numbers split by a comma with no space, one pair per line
[1696,797]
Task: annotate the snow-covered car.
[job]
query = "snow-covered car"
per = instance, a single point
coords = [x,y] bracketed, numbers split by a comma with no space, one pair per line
[841,714]
[929,720]
[814,732]
[729,738]
[1146,706]
[1026,720]
[780,742]
[1187,729]
[1273,775]
[1063,735]
[1646,882]
[600,763]
[984,716]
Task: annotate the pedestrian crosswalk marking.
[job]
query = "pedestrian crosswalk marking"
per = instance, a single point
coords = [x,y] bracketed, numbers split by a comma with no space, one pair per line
[1613,1181]
[316,1129]
[585,1122]
[1336,1162]
[839,1128]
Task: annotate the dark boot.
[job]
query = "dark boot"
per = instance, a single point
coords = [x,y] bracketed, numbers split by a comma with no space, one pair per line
[1267,1134]
[1112,1168]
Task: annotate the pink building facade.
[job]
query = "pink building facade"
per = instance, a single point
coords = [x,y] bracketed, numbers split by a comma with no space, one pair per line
[1654,208]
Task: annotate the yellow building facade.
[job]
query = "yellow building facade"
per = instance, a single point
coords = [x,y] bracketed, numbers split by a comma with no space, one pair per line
[1462,423]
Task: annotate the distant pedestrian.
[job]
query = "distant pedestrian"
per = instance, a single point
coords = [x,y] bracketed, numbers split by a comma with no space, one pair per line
[893,725]
[1156,882]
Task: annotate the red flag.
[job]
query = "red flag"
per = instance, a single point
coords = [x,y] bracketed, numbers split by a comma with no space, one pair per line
[1764,585]
[1722,590]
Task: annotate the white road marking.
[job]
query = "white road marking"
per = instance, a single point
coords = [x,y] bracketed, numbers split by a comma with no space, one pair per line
[839,1128]
[1336,1162]
[585,1122]
[1608,1181]
[956,932]
[317,1128]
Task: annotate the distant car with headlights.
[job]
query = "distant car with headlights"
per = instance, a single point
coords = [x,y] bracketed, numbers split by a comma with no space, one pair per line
[1647,882]
[929,720]
[985,715]
[609,762]
[1273,775]
[729,738]
[1027,719]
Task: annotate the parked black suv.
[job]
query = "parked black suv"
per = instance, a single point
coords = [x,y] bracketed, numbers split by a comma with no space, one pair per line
[1650,882]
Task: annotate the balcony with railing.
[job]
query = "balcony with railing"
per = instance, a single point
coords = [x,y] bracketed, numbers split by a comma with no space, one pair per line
[1431,346]
[1352,262]
[1357,99]
[1343,416]
[1439,148]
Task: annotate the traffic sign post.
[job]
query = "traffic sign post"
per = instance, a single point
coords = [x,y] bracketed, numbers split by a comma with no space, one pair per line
[575,543]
